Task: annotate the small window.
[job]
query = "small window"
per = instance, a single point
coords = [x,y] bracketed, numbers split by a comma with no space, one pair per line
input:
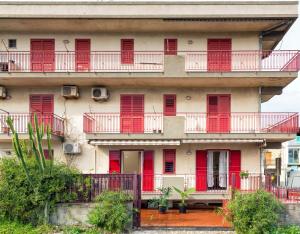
[47,155]
[294,156]
[127,51]
[169,161]
[170,46]
[170,105]
[12,43]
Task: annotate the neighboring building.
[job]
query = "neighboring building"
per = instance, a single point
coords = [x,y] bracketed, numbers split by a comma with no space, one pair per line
[170,90]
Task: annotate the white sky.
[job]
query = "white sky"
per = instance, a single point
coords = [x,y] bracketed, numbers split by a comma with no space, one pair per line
[289,100]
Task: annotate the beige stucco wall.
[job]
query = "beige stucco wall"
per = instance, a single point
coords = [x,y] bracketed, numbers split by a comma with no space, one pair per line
[185,164]
[143,41]
[242,100]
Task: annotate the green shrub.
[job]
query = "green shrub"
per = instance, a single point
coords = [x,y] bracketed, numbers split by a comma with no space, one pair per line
[112,213]
[7,227]
[254,213]
[291,229]
[19,201]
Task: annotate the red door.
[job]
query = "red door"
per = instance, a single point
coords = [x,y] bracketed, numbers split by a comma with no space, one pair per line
[132,113]
[148,171]
[42,55]
[127,51]
[170,46]
[235,168]
[43,107]
[201,170]
[83,53]
[218,113]
[218,55]
[114,182]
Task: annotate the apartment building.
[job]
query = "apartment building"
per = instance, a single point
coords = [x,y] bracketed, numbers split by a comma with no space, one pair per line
[168,90]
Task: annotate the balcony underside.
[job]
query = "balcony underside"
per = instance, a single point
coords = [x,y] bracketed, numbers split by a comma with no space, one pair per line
[152,79]
[24,136]
[231,138]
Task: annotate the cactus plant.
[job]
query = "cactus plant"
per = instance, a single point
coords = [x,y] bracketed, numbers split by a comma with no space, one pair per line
[36,135]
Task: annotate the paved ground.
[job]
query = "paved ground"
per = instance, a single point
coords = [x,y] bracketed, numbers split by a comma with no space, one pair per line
[181,232]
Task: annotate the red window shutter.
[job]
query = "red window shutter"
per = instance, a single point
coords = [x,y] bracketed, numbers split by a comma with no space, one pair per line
[42,55]
[218,55]
[170,46]
[169,161]
[201,170]
[218,113]
[47,154]
[148,171]
[83,52]
[127,51]
[235,168]
[114,161]
[170,105]
[132,113]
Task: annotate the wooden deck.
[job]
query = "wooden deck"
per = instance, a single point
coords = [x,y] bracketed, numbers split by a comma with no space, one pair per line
[193,218]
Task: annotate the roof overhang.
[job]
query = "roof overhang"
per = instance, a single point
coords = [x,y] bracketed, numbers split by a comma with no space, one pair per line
[231,141]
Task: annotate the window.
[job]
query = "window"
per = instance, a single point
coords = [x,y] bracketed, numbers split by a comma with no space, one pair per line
[170,105]
[47,155]
[294,156]
[12,43]
[127,51]
[170,46]
[169,161]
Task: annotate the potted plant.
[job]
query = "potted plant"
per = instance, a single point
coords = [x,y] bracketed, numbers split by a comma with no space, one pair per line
[184,195]
[162,200]
[244,174]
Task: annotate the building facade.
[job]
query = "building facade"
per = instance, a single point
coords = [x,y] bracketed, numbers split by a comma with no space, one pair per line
[168,90]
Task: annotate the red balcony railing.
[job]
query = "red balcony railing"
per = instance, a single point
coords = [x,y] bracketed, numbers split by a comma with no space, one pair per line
[246,122]
[95,61]
[148,61]
[226,61]
[115,123]
[21,120]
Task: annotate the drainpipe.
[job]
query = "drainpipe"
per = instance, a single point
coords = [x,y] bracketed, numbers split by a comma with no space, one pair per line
[95,155]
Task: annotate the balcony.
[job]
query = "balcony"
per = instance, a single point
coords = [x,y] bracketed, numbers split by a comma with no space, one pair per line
[149,61]
[191,123]
[21,120]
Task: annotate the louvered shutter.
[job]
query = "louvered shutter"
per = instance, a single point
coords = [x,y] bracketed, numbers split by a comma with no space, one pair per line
[170,105]
[235,168]
[114,161]
[127,51]
[224,113]
[218,55]
[218,113]
[82,51]
[201,170]
[169,161]
[170,46]
[148,171]
[132,113]
[42,55]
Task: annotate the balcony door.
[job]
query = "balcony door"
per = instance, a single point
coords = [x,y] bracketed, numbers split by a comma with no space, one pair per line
[43,106]
[82,54]
[42,55]
[218,55]
[132,113]
[218,113]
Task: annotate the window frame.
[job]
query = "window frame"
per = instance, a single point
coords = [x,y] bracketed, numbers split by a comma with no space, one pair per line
[167,113]
[173,160]
[293,156]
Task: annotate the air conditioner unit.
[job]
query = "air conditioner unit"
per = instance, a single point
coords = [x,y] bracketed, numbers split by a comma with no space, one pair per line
[70,91]
[3,93]
[100,94]
[71,148]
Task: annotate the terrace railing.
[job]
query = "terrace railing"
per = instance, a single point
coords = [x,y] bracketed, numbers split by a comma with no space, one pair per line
[148,61]
[21,120]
